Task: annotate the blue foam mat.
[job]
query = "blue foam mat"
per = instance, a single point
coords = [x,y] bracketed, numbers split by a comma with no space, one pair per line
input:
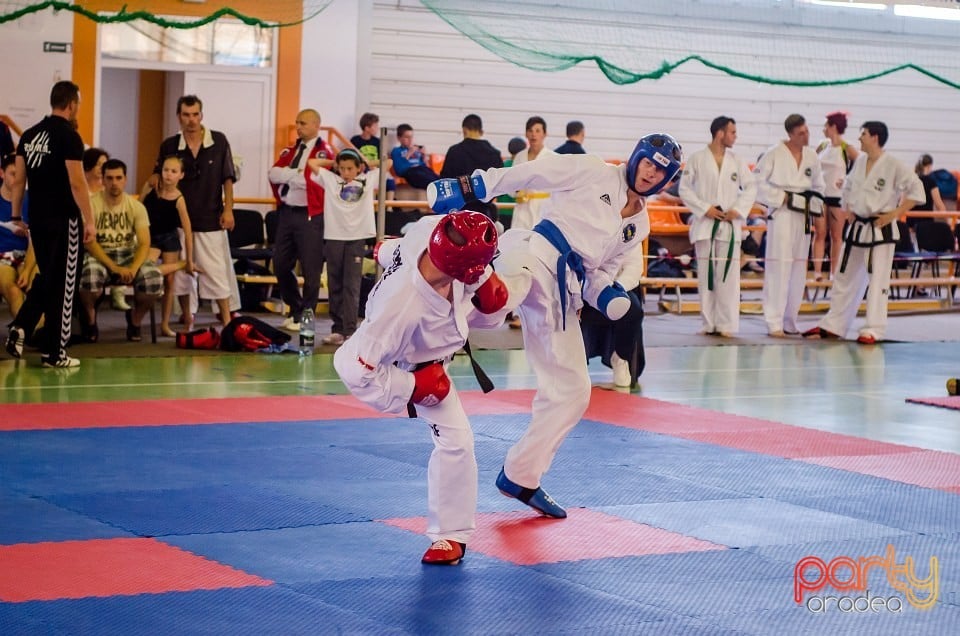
[255,611]
[749,522]
[228,508]
[25,519]
[291,502]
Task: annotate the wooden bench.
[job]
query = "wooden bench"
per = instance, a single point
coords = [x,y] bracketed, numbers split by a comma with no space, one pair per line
[677,285]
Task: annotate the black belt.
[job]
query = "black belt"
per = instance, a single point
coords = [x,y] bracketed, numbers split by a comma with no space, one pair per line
[486,385]
[853,239]
[807,196]
[295,208]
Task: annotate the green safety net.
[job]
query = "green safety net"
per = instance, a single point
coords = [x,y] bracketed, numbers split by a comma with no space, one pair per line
[281,13]
[634,40]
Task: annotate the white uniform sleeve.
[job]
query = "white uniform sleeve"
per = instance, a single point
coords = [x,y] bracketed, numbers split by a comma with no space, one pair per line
[748,190]
[910,184]
[816,177]
[548,173]
[688,188]
[632,268]
[363,363]
[767,193]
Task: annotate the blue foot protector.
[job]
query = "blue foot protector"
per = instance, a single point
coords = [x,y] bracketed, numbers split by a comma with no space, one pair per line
[537,498]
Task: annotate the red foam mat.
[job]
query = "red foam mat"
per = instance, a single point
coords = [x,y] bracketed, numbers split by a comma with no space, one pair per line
[109,567]
[526,538]
[952,402]
[25,417]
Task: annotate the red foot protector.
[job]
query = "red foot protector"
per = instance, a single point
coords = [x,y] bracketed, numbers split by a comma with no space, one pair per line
[109,567]
[526,539]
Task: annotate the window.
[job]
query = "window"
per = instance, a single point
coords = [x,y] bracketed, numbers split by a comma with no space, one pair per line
[224,42]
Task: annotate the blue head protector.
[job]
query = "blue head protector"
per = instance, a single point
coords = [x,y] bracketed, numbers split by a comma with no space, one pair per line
[661,149]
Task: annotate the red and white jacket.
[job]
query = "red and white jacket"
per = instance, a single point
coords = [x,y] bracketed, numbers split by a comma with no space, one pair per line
[315,192]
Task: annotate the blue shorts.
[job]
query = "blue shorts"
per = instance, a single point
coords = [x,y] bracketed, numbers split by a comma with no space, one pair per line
[166,241]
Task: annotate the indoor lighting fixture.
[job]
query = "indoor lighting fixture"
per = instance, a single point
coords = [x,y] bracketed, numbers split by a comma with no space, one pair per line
[876,6]
[932,13]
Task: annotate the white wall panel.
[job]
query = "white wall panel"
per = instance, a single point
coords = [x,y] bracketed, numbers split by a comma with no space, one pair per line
[425,73]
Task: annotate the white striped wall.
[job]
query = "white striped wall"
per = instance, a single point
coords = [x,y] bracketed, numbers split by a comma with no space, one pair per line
[423,72]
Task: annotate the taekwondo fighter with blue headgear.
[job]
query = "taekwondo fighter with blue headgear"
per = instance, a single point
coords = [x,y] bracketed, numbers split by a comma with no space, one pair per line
[437,283]
[594,219]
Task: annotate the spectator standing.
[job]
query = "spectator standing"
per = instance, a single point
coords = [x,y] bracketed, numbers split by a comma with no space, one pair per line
[836,159]
[574,143]
[368,143]
[207,187]
[349,222]
[790,185]
[300,205]
[526,212]
[934,202]
[718,188]
[93,160]
[168,216]
[49,159]
[473,153]
[878,191]
[410,160]
[118,253]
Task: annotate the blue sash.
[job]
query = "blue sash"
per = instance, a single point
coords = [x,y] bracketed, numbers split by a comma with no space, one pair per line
[568,258]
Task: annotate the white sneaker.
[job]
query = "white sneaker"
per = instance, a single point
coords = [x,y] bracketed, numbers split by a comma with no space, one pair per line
[290,325]
[64,362]
[334,339]
[118,300]
[621,370]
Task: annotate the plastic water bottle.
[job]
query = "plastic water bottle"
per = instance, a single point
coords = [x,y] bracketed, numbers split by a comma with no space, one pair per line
[308,331]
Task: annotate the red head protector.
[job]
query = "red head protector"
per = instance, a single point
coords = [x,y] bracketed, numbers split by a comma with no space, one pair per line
[462,245]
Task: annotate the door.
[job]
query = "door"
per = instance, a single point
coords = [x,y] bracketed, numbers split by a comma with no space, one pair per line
[240,105]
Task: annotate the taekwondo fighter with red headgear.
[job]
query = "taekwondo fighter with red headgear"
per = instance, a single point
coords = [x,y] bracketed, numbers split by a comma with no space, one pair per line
[594,220]
[437,283]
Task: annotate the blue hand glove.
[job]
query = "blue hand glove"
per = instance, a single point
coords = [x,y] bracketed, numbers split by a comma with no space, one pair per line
[614,302]
[449,195]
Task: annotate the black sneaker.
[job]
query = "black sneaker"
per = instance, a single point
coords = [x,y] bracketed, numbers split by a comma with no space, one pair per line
[15,338]
[62,362]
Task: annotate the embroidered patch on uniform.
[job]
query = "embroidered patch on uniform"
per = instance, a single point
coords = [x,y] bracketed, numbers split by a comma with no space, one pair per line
[663,161]
[605,198]
[808,171]
[629,232]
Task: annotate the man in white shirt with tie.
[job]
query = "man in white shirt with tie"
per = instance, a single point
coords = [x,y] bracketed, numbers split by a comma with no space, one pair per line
[300,220]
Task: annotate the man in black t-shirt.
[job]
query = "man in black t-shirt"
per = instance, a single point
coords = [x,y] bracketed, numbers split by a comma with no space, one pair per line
[49,159]
[207,187]
[473,153]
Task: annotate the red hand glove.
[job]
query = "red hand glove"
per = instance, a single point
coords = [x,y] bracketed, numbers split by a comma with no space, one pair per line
[430,385]
[491,296]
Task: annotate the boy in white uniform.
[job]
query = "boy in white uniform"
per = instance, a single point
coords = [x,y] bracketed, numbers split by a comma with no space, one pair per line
[790,185]
[878,191]
[596,217]
[719,189]
[437,283]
